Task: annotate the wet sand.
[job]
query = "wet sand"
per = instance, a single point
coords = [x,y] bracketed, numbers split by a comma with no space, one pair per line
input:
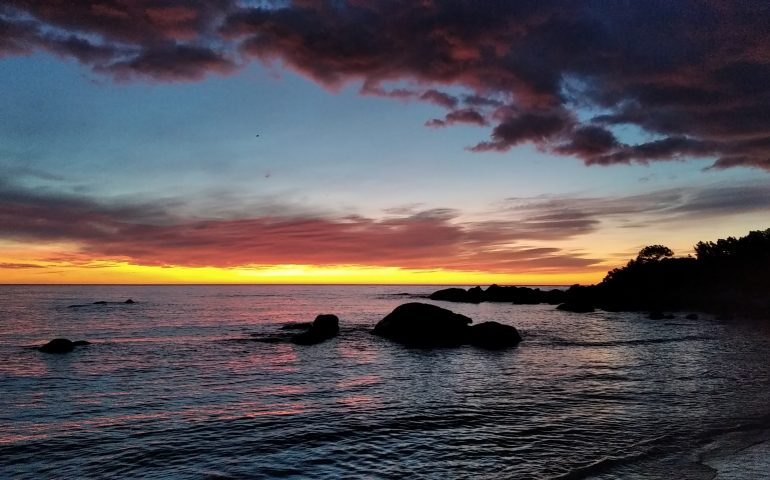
[752,462]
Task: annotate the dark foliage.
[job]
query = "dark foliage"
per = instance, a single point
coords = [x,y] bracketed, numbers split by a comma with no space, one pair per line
[729,277]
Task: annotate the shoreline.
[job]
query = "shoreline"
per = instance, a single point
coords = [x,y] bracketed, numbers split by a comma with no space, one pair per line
[740,454]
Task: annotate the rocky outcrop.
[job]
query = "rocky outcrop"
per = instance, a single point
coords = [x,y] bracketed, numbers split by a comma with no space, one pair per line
[61,345]
[454,294]
[323,328]
[424,325]
[496,293]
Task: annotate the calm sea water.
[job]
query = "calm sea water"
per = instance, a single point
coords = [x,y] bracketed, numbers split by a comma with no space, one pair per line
[171,388]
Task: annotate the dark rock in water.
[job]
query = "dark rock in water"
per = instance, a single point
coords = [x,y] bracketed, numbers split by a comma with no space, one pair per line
[424,325]
[496,293]
[323,328]
[297,326]
[58,345]
[100,302]
[691,316]
[576,307]
[656,316]
[475,295]
[327,323]
[453,295]
[129,301]
[61,345]
[494,335]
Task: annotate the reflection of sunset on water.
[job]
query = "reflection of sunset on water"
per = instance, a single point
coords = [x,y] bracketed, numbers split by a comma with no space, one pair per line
[358,401]
[239,410]
[360,381]
[356,353]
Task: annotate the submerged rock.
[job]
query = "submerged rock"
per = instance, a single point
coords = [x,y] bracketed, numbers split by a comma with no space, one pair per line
[102,302]
[323,328]
[297,326]
[576,307]
[424,325]
[61,345]
[691,316]
[494,335]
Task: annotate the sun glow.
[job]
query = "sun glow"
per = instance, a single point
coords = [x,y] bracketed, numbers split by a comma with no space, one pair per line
[126,273]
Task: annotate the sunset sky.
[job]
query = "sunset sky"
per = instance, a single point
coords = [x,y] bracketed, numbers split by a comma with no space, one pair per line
[368,141]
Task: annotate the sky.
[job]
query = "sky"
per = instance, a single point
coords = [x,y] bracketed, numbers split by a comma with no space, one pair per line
[373,141]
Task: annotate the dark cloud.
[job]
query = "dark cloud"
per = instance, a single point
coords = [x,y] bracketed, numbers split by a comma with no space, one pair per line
[693,75]
[465,115]
[161,40]
[439,98]
[589,142]
[177,62]
[525,127]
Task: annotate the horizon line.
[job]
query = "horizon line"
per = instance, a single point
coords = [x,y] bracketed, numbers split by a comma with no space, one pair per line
[279,284]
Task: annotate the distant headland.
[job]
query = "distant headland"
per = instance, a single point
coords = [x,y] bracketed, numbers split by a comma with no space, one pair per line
[728,277]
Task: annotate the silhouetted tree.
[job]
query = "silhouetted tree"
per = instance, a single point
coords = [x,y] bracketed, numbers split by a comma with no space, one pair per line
[653,253]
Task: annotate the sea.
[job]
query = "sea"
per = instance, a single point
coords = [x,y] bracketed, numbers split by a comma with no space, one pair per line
[182,385]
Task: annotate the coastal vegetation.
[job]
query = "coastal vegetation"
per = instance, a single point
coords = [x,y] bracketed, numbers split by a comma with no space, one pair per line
[729,276]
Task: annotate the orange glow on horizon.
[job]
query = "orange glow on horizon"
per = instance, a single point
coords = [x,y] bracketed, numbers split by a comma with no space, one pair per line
[21,272]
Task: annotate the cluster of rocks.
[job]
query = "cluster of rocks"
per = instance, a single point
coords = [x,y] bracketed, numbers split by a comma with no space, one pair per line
[425,325]
[576,299]
[413,324]
[496,293]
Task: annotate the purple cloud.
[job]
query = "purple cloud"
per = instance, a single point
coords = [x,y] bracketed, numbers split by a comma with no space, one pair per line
[694,75]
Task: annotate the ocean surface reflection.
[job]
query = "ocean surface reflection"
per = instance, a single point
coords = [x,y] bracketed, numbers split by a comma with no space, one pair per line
[175,386]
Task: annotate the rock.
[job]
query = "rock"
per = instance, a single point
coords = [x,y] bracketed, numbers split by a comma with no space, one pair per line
[576,307]
[475,295]
[424,325]
[494,335]
[61,345]
[451,295]
[691,316]
[129,301]
[323,328]
[100,302]
[656,316]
